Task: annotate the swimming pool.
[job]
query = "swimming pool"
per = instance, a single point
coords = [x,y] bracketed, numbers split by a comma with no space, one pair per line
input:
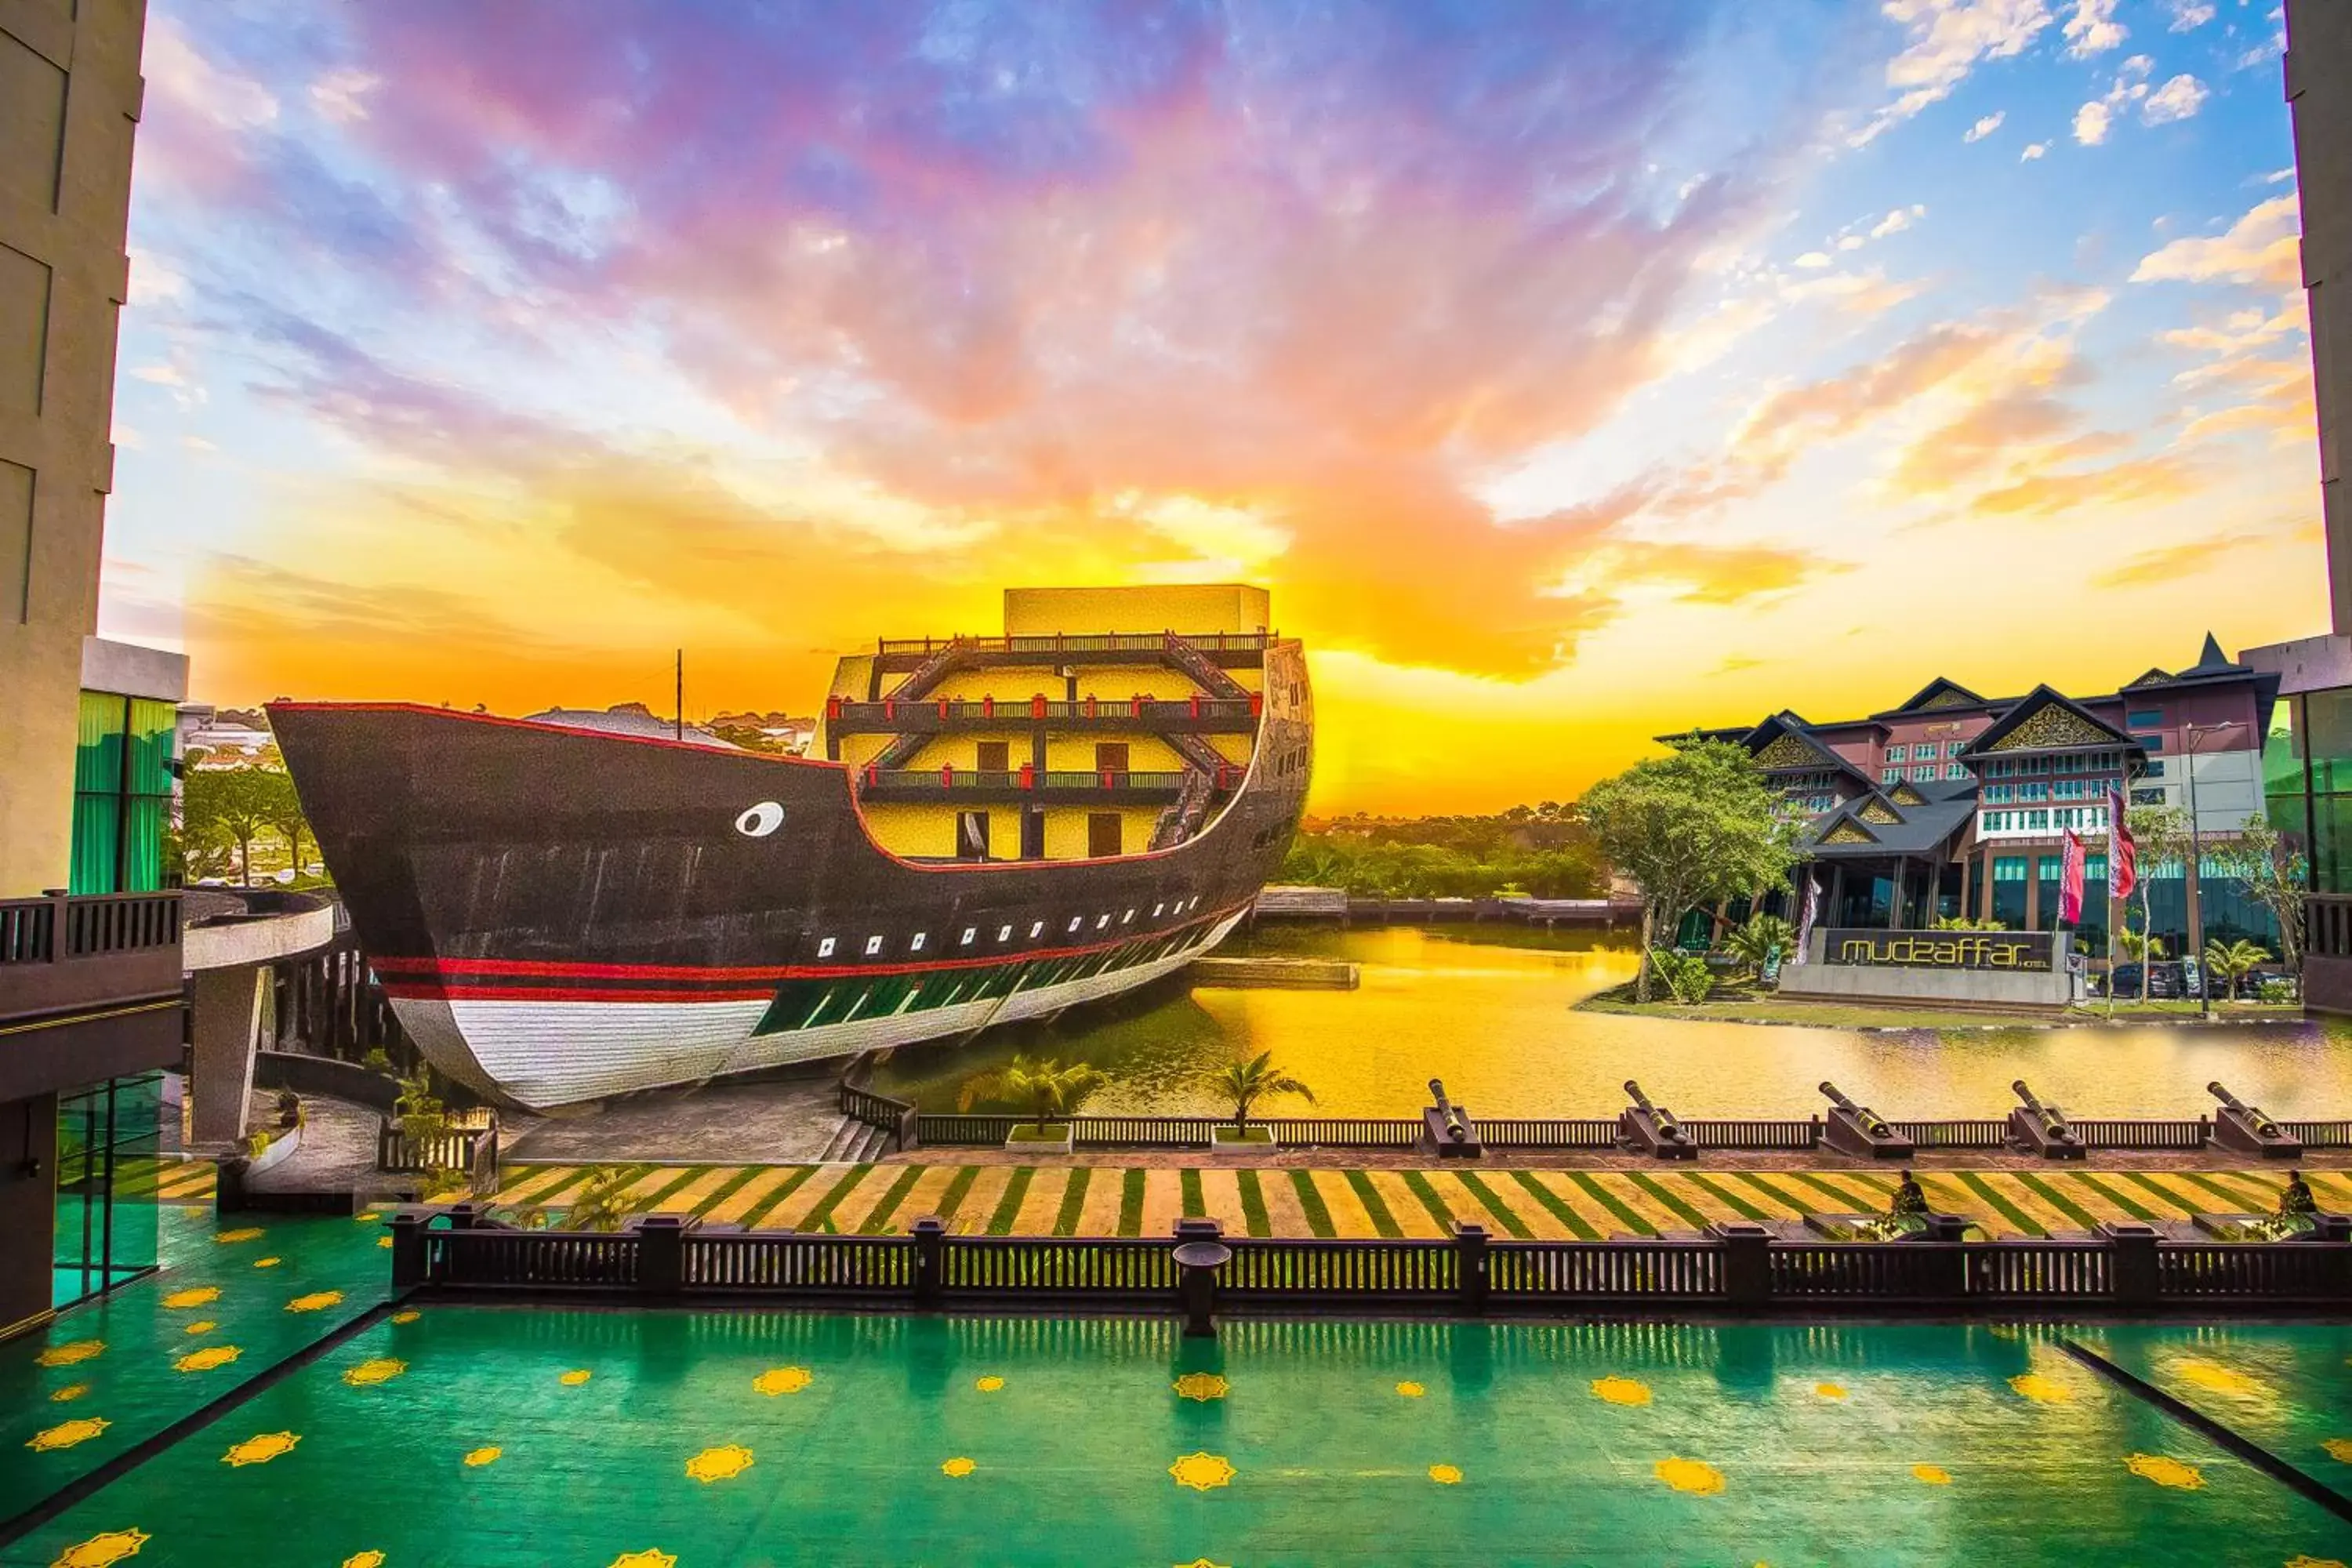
[485,1436]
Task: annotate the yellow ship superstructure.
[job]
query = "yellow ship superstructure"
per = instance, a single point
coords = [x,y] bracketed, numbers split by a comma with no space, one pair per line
[1101,722]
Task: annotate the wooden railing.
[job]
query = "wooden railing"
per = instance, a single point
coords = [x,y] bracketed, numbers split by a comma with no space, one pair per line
[1057,644]
[1755,1134]
[2320,1134]
[1732,1268]
[933,715]
[1963,1134]
[1522,1133]
[2100,1133]
[53,930]
[460,1149]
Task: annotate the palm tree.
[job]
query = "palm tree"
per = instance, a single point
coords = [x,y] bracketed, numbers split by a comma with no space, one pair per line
[1752,943]
[1046,1086]
[2233,962]
[600,1206]
[1246,1083]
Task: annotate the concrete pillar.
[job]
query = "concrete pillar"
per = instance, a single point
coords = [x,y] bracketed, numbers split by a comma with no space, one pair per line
[227,1024]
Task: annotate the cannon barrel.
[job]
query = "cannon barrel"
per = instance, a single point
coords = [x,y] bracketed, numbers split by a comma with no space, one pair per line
[1667,1124]
[1437,1092]
[2224,1096]
[1634,1090]
[1837,1097]
[2054,1120]
[2017,1086]
[2263,1125]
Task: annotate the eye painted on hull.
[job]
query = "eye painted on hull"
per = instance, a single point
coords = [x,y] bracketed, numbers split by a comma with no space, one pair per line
[760,820]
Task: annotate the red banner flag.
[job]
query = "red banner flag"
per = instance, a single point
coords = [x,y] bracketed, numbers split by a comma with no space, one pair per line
[2123,855]
[2070,880]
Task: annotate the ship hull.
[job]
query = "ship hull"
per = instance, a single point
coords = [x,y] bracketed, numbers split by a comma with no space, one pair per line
[560,915]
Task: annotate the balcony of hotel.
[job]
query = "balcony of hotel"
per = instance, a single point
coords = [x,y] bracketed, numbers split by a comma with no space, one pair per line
[89,989]
[1195,715]
[1226,649]
[1034,785]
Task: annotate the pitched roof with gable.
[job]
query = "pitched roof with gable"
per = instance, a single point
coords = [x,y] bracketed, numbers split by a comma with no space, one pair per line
[1937,695]
[2047,721]
[1880,825]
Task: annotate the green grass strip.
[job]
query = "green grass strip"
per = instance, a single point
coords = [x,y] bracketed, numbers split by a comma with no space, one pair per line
[2137,1211]
[784,1189]
[1725,1196]
[1626,1216]
[953,1198]
[1254,1214]
[517,1179]
[1130,1202]
[1512,1224]
[1008,1207]
[1847,1201]
[690,1174]
[2257,1196]
[816,1218]
[729,1188]
[1310,1202]
[878,1219]
[1679,1209]
[549,1191]
[1383,1221]
[1074,1201]
[1559,1211]
[2000,1205]
[2173,1207]
[1188,1181]
[1780,1195]
[2057,1200]
[1418,1185]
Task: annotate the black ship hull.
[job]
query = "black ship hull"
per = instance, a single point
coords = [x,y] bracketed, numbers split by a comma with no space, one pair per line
[560,915]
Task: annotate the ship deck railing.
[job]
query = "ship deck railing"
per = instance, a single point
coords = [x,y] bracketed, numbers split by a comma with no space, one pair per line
[1206,715]
[1056,644]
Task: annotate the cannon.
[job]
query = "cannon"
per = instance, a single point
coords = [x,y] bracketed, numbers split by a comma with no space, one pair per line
[1446,1127]
[2243,1129]
[2042,1129]
[1652,1128]
[1861,1131]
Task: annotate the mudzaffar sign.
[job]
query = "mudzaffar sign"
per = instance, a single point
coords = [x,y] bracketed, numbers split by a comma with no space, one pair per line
[2011,950]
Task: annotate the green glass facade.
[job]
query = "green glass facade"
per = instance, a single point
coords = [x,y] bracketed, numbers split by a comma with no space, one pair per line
[107,1165]
[122,794]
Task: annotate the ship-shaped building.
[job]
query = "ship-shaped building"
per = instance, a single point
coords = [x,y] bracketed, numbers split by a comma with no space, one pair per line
[987,828]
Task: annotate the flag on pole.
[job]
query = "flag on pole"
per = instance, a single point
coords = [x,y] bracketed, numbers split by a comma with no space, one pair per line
[2123,855]
[2070,880]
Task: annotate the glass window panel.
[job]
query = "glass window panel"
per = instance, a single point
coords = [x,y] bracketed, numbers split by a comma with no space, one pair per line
[2327,739]
[96,843]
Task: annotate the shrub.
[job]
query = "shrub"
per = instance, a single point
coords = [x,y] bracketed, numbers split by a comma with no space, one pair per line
[1687,975]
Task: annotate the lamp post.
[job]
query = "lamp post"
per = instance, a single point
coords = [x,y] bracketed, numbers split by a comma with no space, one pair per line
[2189,733]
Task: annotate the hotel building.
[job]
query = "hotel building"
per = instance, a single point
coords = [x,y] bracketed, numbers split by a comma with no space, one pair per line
[1951,803]
[90,936]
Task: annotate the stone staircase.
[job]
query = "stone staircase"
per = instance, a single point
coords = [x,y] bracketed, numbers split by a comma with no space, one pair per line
[854,1143]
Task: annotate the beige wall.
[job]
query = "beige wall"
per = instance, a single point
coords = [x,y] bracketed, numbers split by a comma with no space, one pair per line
[1190,608]
[69,96]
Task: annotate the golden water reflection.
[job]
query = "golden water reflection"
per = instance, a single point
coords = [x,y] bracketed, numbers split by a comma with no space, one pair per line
[1490,1012]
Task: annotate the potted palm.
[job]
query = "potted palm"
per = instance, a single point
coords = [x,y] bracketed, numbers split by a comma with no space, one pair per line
[1244,1083]
[1045,1088]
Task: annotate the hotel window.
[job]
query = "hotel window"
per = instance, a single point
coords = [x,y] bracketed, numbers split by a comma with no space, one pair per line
[122,794]
[2145,719]
[1954,748]
[1956,769]
[2152,743]
[2041,819]
[2153,771]
[2148,797]
[1898,754]
[1922,775]
[1888,775]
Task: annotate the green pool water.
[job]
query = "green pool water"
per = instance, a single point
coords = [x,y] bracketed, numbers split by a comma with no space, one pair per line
[891,1440]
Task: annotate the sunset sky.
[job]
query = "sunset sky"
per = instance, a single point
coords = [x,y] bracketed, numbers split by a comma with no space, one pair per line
[1570,373]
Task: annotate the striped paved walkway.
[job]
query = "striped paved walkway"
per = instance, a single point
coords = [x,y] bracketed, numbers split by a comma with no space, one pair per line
[999,1200]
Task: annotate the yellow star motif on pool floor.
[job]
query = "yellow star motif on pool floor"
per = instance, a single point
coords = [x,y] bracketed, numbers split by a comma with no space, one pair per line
[989,1384]
[69,1356]
[207,1358]
[243,1233]
[382,1369]
[719,1464]
[782,1380]
[202,1295]
[649,1558]
[1829,1391]
[2300,1562]
[2166,1473]
[101,1550]
[958,1466]
[575,1378]
[410,1316]
[1621,1391]
[384,1242]
[260,1448]
[201,1326]
[1688,1475]
[70,1393]
[316,1301]
[65,1433]
[1201,1563]
[365,1560]
[1202,1472]
[267,1262]
[1410,1390]
[477,1457]
[1934,1475]
[1203,1386]
[1445,1475]
[2040,1389]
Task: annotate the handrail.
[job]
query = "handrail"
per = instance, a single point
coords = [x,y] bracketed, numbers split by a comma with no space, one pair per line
[60,927]
[1062,642]
[903,714]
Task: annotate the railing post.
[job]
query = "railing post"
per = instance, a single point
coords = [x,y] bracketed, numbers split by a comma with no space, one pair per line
[2131,1256]
[661,1254]
[1747,1261]
[1470,1268]
[407,1251]
[929,1234]
[1201,1251]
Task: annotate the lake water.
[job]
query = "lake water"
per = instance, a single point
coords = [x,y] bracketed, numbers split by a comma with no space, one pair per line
[1491,1012]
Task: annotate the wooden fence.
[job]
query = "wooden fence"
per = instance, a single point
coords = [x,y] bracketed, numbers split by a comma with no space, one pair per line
[1733,1267]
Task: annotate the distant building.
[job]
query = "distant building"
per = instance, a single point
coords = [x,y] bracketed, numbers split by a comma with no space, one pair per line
[1951,803]
[630,718]
[228,737]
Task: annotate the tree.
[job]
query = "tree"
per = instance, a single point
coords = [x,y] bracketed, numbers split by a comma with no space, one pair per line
[1046,1086]
[1696,827]
[282,810]
[601,1205]
[228,805]
[2162,836]
[1247,1082]
[1752,943]
[2276,875]
[2234,960]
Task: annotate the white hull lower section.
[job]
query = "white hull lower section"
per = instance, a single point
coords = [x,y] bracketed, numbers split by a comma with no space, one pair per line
[544,1053]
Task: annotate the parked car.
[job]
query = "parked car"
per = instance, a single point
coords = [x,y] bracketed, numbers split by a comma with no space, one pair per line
[2168,981]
